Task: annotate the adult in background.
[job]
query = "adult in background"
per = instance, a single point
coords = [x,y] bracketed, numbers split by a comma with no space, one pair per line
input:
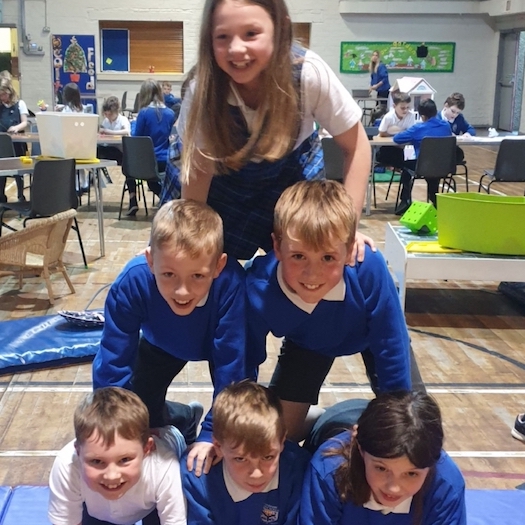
[378,77]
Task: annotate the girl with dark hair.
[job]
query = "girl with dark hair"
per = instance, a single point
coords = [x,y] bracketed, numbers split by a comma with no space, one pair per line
[390,470]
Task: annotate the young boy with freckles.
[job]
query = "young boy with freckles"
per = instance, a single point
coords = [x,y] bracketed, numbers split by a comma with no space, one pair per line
[305,291]
[184,300]
[258,479]
[115,472]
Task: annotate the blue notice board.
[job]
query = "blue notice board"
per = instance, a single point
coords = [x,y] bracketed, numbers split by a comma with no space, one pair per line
[115,49]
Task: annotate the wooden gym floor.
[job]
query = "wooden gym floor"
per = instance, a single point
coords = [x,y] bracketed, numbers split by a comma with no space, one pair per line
[469,341]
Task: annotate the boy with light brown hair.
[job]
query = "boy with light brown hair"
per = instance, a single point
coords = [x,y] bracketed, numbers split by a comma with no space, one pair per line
[259,477]
[306,291]
[181,301]
[115,471]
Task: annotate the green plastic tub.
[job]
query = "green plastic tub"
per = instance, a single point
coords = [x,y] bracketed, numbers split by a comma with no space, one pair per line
[477,222]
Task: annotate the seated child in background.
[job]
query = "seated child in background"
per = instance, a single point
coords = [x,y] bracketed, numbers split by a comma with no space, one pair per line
[399,118]
[305,291]
[390,470]
[260,476]
[452,113]
[114,471]
[184,300]
[113,124]
[430,126]
[171,100]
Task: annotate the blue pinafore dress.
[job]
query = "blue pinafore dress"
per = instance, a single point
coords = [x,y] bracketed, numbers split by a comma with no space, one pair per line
[245,199]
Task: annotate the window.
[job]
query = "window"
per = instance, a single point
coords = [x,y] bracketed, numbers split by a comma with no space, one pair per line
[301,33]
[157,45]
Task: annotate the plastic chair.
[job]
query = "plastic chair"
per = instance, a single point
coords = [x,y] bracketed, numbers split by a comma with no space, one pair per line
[139,163]
[123,105]
[436,160]
[52,191]
[40,246]
[510,164]
[333,159]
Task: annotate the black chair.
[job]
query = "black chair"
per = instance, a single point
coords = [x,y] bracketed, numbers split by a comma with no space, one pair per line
[7,149]
[123,105]
[510,164]
[52,191]
[334,159]
[139,163]
[436,160]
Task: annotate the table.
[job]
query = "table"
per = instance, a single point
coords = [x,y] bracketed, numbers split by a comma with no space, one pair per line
[377,141]
[14,166]
[102,140]
[464,266]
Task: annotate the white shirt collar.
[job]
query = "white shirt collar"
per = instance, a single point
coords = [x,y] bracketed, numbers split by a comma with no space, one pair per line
[202,302]
[337,293]
[402,508]
[239,494]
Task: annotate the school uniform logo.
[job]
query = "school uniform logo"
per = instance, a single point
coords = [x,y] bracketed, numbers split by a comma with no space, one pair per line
[270,514]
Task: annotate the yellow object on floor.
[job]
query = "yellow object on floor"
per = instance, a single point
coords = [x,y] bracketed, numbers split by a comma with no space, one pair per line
[429,247]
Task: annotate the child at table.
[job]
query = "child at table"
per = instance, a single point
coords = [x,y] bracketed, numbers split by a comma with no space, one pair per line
[399,118]
[430,126]
[114,124]
[390,469]
[452,112]
[154,120]
[13,119]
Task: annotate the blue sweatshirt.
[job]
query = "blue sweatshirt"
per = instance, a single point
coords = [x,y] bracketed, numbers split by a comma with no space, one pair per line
[443,502]
[210,503]
[381,74]
[214,332]
[434,127]
[157,123]
[459,125]
[369,316]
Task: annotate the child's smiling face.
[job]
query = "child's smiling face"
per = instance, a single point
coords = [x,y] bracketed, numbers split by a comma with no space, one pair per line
[242,36]
[112,470]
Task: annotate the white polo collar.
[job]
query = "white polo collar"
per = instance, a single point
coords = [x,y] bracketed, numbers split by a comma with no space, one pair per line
[337,293]
[239,494]
[402,508]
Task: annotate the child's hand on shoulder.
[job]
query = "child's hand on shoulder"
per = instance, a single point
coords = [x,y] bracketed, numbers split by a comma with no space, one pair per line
[358,250]
[201,457]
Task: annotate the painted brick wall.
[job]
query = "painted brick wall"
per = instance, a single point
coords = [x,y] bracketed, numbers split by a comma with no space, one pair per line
[476,49]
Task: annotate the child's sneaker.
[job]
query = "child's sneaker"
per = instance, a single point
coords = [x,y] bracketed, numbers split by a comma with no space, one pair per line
[518,431]
[133,207]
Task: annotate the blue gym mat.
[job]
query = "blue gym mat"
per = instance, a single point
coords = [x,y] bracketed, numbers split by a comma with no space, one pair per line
[26,505]
[36,342]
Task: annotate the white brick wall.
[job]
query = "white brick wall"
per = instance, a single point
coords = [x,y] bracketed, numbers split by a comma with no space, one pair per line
[476,49]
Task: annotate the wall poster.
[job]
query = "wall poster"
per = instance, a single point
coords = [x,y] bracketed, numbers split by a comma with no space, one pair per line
[428,57]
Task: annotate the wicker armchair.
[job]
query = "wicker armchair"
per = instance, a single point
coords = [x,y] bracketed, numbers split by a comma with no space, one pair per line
[39,246]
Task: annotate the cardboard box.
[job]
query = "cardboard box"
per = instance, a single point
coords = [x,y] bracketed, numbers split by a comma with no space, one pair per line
[68,135]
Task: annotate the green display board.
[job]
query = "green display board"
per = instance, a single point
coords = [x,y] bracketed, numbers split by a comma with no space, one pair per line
[428,57]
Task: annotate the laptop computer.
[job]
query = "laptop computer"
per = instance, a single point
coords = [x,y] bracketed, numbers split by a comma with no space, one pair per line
[360,93]
[68,135]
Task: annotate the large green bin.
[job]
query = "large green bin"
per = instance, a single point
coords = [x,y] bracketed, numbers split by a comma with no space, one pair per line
[477,222]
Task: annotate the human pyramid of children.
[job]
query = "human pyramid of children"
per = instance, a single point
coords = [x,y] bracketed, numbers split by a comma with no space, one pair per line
[250,180]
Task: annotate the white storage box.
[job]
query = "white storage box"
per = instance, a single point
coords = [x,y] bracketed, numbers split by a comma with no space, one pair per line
[68,135]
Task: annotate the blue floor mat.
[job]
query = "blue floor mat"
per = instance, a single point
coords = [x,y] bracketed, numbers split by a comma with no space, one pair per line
[26,505]
[495,507]
[36,342]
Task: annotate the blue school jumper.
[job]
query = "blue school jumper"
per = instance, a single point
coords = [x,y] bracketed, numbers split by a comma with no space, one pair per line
[459,125]
[369,317]
[210,503]
[245,199]
[443,502]
[157,123]
[214,332]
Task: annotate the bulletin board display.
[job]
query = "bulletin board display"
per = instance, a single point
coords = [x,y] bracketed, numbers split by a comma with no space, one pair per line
[428,57]
[115,49]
